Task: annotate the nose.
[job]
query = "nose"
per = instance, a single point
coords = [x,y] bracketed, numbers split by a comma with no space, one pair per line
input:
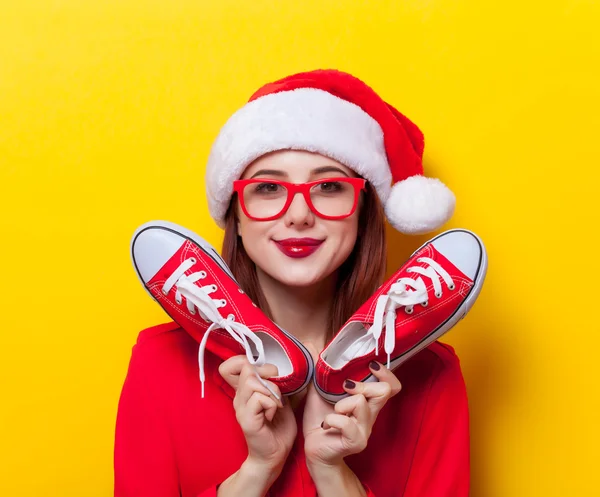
[299,213]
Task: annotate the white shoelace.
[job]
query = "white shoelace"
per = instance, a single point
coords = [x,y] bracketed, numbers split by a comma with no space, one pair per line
[199,298]
[405,292]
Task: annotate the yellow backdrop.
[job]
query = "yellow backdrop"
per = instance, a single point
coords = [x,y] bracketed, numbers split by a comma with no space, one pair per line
[107,113]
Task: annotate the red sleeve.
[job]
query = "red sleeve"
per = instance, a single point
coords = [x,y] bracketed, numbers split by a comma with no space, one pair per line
[440,467]
[144,463]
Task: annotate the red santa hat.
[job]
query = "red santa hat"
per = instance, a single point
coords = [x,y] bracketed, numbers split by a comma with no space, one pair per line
[338,116]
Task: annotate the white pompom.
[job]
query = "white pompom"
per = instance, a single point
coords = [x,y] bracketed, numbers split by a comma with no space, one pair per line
[419,205]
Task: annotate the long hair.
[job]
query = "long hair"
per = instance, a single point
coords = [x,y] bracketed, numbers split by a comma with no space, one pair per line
[358,276]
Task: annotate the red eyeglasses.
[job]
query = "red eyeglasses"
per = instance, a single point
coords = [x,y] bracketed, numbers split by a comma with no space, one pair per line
[267,199]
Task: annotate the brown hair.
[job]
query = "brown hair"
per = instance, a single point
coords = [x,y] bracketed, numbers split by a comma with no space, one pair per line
[358,277]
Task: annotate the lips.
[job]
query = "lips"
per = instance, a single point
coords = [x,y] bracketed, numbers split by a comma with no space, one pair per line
[298,247]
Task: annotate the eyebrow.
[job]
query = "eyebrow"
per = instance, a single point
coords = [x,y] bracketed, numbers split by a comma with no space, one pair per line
[268,172]
[328,169]
[318,170]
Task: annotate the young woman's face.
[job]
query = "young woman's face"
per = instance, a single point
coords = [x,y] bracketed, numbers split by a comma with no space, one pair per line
[260,238]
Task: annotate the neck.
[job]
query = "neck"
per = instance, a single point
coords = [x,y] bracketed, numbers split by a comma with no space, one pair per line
[301,311]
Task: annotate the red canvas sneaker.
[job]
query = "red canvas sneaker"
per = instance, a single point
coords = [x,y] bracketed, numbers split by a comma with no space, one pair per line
[192,283]
[424,299]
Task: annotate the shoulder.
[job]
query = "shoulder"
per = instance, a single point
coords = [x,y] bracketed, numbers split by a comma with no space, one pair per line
[436,368]
[442,357]
[163,350]
[165,358]
[160,332]
[436,359]
[165,339]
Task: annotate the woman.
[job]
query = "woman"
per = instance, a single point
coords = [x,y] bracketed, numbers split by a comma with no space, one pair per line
[244,437]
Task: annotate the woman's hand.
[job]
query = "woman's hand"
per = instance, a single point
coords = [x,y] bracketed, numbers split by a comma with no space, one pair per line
[269,427]
[334,432]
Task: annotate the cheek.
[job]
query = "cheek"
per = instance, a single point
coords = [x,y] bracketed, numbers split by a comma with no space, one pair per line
[248,231]
[254,236]
[351,226]
[345,237]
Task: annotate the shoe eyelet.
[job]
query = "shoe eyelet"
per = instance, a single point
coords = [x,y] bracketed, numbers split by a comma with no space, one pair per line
[214,288]
[202,274]
[193,312]
[223,302]
[231,317]
[409,270]
[193,260]
[451,286]
[164,292]
[425,304]
[409,309]
[438,295]
[178,301]
[419,260]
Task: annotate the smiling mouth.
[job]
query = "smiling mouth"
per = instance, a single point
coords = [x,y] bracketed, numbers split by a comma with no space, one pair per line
[298,247]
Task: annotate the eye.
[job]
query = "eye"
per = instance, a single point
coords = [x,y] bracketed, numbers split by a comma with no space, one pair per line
[331,186]
[267,188]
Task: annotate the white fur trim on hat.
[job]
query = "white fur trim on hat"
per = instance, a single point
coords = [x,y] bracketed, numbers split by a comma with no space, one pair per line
[302,119]
[419,205]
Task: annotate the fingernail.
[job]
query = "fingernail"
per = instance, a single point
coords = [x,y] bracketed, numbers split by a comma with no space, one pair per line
[349,384]
[374,365]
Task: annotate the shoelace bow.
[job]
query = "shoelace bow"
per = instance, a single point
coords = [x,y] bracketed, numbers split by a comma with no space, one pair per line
[406,292]
[199,298]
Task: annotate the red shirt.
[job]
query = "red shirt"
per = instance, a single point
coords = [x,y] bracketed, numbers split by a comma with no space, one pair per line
[170,442]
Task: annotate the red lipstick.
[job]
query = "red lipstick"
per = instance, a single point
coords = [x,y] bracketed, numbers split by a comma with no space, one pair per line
[298,247]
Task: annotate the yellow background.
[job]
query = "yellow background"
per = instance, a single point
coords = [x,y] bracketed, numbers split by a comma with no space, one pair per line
[107,113]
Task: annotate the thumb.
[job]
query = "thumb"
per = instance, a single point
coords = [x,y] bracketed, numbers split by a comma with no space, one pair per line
[267,370]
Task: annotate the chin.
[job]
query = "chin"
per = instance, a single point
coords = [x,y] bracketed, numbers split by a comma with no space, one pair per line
[298,277]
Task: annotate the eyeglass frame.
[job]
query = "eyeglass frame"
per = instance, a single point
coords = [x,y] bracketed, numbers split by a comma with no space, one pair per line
[359,184]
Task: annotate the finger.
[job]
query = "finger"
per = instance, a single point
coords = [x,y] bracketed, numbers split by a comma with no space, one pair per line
[246,372]
[377,393]
[357,406]
[273,390]
[250,385]
[231,368]
[267,371]
[264,371]
[384,374]
[258,403]
[348,428]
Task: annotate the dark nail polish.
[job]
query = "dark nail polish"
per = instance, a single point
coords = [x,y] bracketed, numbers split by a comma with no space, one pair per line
[374,365]
[322,424]
[349,384]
